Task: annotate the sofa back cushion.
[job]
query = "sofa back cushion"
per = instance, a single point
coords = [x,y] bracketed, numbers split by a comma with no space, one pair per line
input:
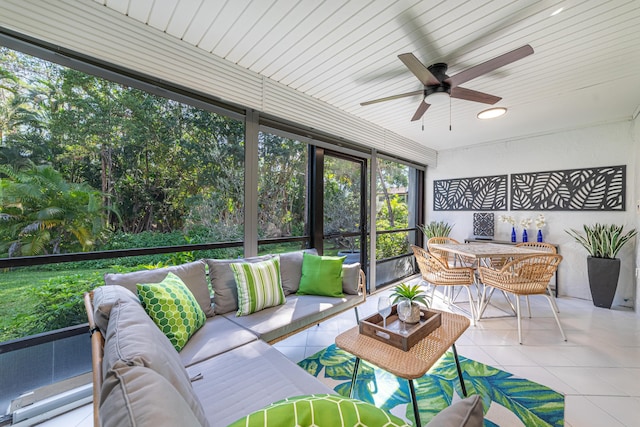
[193,275]
[350,278]
[104,298]
[291,269]
[225,292]
[133,339]
[135,396]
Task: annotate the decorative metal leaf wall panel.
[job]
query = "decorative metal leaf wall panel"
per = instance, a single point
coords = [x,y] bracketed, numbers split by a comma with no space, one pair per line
[485,193]
[601,189]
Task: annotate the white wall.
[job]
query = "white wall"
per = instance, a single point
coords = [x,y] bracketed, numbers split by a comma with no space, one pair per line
[602,145]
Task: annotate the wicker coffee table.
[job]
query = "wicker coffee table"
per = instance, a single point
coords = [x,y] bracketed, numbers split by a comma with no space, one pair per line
[410,364]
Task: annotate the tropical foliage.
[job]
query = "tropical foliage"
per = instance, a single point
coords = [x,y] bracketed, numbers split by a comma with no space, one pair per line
[602,241]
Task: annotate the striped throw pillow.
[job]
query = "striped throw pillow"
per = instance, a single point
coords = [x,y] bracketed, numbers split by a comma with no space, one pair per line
[259,285]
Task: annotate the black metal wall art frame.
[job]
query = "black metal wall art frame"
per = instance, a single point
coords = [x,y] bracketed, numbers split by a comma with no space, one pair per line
[601,189]
[485,193]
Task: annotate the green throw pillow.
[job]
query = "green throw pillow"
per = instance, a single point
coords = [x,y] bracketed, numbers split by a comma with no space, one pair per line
[319,410]
[173,308]
[258,285]
[321,275]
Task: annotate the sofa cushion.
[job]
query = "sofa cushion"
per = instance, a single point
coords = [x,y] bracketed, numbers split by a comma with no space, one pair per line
[464,413]
[173,308]
[225,292]
[350,278]
[133,339]
[321,275]
[266,376]
[104,297]
[291,269]
[321,410]
[138,396]
[193,275]
[258,285]
[297,312]
[217,336]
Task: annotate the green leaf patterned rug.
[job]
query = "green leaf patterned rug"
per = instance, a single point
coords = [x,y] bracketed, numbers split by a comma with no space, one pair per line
[530,403]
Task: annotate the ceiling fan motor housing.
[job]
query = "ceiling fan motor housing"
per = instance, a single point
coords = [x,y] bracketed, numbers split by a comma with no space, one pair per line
[439,71]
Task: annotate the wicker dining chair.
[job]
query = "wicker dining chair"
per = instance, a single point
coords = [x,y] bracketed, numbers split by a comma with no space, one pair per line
[542,247]
[528,275]
[437,273]
[447,257]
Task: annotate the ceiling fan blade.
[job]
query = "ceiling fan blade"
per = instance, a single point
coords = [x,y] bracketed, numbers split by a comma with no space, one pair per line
[474,95]
[389,98]
[490,65]
[422,108]
[418,69]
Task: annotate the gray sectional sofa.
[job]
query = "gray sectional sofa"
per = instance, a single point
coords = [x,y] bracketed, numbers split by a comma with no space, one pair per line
[228,363]
[227,372]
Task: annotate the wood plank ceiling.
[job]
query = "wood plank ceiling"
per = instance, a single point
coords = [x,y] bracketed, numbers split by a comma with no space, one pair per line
[584,70]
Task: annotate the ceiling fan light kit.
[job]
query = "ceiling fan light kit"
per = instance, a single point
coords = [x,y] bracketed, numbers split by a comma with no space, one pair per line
[437,86]
[492,113]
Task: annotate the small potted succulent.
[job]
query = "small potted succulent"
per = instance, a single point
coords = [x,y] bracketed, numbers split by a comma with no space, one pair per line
[413,294]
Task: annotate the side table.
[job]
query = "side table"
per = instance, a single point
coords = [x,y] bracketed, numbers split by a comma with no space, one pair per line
[410,364]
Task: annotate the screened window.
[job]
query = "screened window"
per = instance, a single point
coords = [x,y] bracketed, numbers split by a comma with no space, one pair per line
[90,165]
[282,191]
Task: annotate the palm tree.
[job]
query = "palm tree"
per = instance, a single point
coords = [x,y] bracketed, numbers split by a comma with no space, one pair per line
[42,213]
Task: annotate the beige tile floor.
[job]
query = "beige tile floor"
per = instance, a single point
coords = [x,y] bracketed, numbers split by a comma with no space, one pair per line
[598,368]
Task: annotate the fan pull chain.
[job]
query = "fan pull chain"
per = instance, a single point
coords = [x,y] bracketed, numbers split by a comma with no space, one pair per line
[422,123]
[449,113]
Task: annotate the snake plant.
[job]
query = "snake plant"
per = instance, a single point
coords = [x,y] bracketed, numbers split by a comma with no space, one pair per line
[602,241]
[436,229]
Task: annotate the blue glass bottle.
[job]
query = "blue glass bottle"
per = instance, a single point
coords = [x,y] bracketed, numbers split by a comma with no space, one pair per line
[525,238]
[513,234]
[539,235]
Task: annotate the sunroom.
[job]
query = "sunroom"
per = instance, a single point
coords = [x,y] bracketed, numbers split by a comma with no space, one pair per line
[213,129]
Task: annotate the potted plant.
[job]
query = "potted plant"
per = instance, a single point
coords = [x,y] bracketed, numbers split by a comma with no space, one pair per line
[436,229]
[603,242]
[413,294]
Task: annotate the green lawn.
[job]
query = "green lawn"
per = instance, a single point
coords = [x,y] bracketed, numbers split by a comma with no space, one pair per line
[16,297]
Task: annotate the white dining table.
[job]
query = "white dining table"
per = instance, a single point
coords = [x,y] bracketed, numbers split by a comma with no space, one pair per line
[482,252]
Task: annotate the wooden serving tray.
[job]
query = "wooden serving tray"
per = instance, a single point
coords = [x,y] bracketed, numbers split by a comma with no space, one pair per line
[372,327]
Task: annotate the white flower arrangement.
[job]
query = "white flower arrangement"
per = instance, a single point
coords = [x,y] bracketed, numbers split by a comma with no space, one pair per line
[540,222]
[508,219]
[525,223]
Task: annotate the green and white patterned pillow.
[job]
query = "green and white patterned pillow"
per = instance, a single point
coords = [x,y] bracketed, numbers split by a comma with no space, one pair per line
[259,285]
[319,410]
[173,308]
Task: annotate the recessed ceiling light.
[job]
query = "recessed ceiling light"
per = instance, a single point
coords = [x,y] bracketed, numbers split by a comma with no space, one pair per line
[557,11]
[492,113]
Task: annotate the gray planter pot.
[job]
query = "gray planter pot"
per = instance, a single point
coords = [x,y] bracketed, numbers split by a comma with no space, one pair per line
[603,279]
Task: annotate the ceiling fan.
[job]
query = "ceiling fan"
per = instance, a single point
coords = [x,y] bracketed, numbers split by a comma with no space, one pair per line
[437,83]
